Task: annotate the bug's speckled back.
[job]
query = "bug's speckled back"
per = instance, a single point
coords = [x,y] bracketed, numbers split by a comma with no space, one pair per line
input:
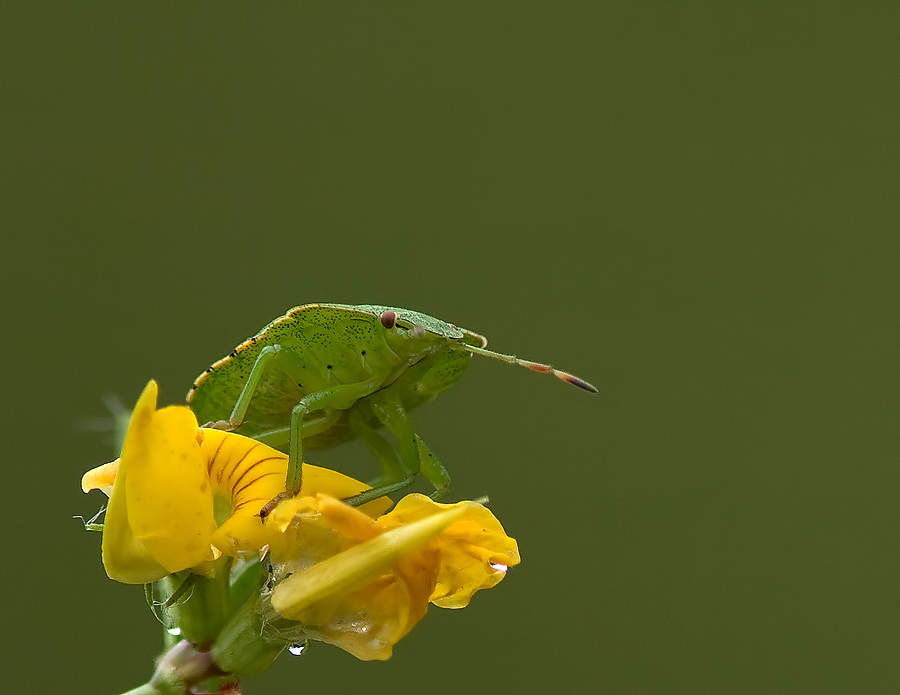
[331,344]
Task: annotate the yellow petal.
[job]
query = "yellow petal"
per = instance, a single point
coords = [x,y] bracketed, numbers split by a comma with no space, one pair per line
[160,514]
[367,596]
[250,474]
[101,478]
[355,567]
[125,557]
[326,481]
[474,551]
[368,622]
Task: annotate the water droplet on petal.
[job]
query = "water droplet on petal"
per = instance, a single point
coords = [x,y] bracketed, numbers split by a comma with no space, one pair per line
[297,649]
[499,567]
[174,631]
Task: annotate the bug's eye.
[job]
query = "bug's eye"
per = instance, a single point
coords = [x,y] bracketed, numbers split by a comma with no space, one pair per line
[389,319]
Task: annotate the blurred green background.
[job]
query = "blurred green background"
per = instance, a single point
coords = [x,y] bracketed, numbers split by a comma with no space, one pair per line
[692,205]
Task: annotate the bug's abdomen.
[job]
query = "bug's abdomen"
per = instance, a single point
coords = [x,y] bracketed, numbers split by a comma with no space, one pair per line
[319,347]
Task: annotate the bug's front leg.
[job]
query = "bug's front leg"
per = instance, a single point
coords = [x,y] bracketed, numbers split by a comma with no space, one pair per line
[338,397]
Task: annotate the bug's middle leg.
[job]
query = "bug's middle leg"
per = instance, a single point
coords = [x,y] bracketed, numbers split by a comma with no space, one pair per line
[338,397]
[281,436]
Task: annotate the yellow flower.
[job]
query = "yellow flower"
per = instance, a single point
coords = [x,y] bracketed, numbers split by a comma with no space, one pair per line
[181,495]
[362,584]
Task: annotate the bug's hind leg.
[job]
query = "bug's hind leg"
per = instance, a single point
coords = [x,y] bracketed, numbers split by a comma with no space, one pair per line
[236,419]
[278,437]
[433,470]
[414,453]
[392,469]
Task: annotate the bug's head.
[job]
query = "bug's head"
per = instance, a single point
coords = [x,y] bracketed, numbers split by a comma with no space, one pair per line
[412,333]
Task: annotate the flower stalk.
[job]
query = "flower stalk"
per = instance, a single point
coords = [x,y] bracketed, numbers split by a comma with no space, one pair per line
[204,608]
[245,645]
[181,668]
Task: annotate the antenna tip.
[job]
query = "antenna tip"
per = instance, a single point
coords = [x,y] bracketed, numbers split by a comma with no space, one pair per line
[580,383]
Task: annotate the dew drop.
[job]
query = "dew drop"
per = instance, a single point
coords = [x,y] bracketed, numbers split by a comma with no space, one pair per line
[174,631]
[297,649]
[499,567]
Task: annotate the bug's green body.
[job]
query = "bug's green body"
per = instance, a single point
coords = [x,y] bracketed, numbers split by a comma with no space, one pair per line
[334,344]
[325,373]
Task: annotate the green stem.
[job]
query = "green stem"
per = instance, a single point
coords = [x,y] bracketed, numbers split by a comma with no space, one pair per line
[202,612]
[183,667]
[227,687]
[242,646]
[145,689]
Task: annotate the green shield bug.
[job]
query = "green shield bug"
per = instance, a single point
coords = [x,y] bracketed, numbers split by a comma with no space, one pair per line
[325,373]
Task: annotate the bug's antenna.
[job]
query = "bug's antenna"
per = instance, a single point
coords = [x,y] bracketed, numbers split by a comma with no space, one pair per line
[533,366]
